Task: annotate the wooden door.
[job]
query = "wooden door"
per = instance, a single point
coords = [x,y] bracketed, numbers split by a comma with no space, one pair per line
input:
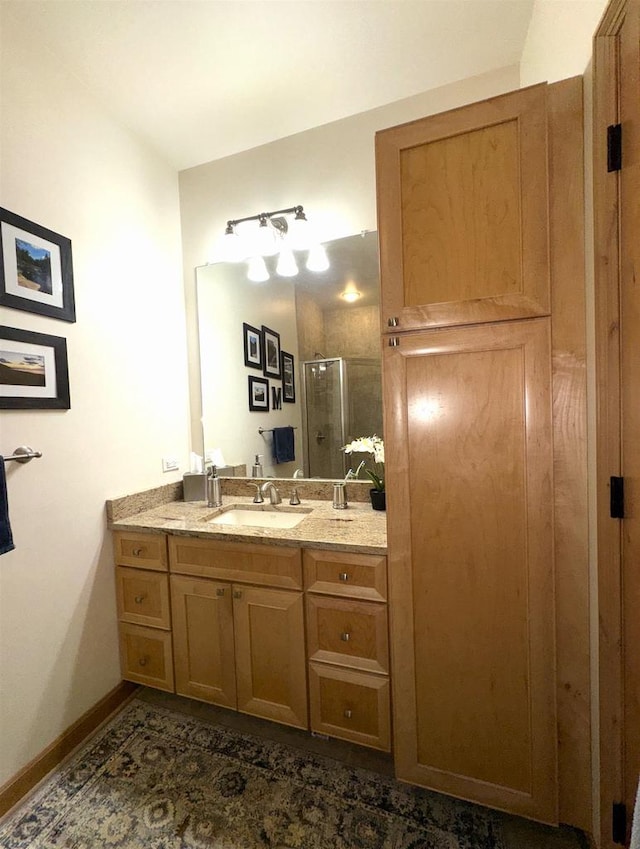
[203,640]
[617,253]
[270,654]
[463,206]
[470,542]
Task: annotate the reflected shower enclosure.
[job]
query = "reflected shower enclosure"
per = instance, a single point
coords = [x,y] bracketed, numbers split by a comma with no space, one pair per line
[343,401]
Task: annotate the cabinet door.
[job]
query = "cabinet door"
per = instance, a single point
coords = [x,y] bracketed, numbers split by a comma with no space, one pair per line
[469,506]
[203,640]
[462,214]
[270,654]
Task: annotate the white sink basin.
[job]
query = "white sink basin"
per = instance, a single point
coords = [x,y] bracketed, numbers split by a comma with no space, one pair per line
[261,518]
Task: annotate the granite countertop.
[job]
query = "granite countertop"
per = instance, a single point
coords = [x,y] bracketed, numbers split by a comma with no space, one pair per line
[357,528]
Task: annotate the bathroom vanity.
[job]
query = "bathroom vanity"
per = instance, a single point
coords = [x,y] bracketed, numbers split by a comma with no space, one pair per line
[289,624]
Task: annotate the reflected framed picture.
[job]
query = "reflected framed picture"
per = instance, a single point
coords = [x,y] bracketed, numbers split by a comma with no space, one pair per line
[36,271]
[34,373]
[258,394]
[252,346]
[271,348]
[288,379]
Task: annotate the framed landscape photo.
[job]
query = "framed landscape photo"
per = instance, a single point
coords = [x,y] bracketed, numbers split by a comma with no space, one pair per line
[36,271]
[271,348]
[288,379]
[33,371]
[252,338]
[258,394]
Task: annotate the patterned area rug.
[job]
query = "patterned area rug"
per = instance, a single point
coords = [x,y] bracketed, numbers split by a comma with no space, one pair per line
[157,779]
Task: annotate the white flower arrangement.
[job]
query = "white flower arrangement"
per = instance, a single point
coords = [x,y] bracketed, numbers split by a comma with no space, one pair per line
[370,445]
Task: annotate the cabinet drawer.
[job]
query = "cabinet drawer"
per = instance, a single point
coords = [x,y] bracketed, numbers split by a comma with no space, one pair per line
[145,656]
[347,632]
[271,565]
[344,573]
[146,551]
[350,705]
[143,597]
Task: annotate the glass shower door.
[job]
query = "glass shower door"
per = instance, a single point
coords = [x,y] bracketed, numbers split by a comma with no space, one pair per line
[324,395]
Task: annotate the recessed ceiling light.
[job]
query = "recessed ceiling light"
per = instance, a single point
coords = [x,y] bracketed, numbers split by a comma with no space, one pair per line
[350,295]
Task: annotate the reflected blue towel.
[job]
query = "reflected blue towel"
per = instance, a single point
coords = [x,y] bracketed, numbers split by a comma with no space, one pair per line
[283,445]
[6,539]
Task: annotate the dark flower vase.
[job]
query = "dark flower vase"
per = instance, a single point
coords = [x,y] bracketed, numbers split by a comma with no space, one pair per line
[378,499]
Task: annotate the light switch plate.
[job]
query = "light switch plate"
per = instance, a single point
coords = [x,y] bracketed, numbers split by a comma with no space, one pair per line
[169,464]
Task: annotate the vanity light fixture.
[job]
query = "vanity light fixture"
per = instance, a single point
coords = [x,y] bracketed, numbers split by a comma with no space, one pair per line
[279,232]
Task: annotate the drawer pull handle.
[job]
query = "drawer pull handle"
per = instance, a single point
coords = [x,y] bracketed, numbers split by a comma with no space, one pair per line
[237,594]
[345,636]
[143,660]
[219,592]
[347,714]
[139,599]
[137,552]
[344,576]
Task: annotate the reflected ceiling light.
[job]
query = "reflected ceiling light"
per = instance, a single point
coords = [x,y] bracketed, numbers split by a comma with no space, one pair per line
[350,295]
[317,259]
[268,233]
[257,272]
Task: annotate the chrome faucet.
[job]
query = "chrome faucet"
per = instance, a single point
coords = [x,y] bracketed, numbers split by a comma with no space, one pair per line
[274,495]
[298,474]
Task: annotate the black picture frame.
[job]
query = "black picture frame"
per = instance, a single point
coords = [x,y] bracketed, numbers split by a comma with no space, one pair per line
[34,373]
[271,352]
[252,340]
[288,377]
[36,268]
[258,394]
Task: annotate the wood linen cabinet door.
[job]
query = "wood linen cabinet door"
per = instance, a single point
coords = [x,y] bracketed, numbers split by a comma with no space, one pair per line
[270,654]
[462,214]
[203,640]
[470,550]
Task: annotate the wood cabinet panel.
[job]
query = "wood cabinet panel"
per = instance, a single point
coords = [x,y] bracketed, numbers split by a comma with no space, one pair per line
[146,656]
[143,597]
[462,213]
[348,633]
[350,705]
[346,573]
[143,551]
[270,654]
[203,640]
[469,476]
[275,566]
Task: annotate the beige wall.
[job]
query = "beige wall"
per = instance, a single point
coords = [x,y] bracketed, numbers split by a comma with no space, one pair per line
[66,165]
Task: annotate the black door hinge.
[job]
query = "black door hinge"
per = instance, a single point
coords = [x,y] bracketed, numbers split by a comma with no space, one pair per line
[616,498]
[614,147]
[619,823]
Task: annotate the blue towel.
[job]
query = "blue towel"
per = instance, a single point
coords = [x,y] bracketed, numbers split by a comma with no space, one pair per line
[283,445]
[6,539]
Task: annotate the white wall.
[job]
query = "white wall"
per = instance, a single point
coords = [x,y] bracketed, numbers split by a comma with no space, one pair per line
[66,165]
[330,170]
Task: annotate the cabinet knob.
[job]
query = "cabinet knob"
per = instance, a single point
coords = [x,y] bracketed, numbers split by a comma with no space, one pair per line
[139,599]
[347,714]
[237,593]
[392,322]
[394,341]
[345,636]
[220,591]
[143,660]
[137,552]
[344,576]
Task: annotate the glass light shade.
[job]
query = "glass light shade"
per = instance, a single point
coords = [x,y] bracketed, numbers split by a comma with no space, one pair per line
[286,266]
[233,248]
[265,239]
[257,271]
[299,235]
[317,259]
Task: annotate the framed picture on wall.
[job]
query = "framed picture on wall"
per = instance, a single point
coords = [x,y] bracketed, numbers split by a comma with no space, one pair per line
[258,394]
[36,272]
[252,346]
[271,347]
[33,371]
[288,379]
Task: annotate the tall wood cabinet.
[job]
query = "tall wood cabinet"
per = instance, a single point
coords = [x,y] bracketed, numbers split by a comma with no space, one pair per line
[468,252]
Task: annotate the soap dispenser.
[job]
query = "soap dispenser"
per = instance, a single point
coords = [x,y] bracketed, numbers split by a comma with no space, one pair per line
[214,489]
[256,469]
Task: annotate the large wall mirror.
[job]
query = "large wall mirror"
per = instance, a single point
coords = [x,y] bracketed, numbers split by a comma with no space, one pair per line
[334,392]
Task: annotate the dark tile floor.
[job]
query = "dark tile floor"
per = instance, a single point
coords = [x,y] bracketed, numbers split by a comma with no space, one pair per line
[518,833]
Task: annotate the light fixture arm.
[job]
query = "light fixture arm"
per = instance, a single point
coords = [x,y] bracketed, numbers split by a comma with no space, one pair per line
[298,211]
